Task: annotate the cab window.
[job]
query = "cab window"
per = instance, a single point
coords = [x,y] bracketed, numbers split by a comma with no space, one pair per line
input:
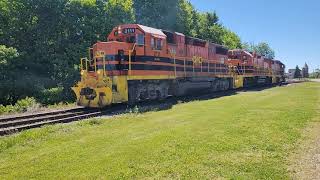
[140,39]
[156,43]
[131,39]
[159,44]
[153,43]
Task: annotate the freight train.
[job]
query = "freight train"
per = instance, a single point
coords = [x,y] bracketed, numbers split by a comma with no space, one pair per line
[139,63]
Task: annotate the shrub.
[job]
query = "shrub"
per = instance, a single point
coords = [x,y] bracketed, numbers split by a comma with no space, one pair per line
[23,105]
[29,103]
[51,96]
[7,109]
[3,109]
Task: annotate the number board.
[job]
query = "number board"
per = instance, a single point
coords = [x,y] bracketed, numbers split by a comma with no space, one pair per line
[129,30]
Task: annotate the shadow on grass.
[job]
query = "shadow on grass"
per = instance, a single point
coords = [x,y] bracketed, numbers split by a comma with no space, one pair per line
[162,105]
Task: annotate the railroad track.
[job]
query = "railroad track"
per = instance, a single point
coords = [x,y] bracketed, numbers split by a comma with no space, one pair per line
[18,123]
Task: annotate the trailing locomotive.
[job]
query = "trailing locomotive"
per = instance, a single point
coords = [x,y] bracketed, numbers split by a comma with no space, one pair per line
[139,63]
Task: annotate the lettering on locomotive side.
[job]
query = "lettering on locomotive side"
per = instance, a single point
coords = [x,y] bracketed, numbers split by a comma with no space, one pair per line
[197,60]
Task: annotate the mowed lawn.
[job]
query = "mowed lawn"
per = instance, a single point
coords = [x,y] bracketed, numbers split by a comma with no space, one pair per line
[244,136]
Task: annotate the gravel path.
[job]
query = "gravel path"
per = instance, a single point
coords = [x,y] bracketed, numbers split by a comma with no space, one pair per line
[315,80]
[306,161]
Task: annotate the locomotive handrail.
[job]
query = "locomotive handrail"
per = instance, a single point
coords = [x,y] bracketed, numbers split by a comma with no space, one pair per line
[173,53]
[175,66]
[104,65]
[130,51]
[95,64]
[100,54]
[81,63]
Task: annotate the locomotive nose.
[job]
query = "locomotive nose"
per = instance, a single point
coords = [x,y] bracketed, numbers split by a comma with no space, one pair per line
[93,97]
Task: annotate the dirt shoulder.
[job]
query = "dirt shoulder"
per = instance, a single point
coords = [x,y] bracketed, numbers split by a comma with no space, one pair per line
[305,163]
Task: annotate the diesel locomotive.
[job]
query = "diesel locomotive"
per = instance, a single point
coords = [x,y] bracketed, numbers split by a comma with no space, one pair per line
[139,63]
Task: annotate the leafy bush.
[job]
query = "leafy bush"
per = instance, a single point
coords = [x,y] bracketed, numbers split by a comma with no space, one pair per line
[8,58]
[29,103]
[7,54]
[56,96]
[23,105]
[3,109]
[51,96]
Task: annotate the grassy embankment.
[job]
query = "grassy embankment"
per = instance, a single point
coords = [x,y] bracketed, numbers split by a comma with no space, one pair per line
[248,135]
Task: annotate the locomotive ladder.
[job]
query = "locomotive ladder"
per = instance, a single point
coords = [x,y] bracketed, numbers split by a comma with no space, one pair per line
[130,54]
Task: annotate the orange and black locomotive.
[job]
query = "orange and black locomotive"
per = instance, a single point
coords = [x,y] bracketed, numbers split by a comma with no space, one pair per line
[139,63]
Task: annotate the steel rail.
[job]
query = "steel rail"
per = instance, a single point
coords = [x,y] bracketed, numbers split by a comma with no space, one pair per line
[18,123]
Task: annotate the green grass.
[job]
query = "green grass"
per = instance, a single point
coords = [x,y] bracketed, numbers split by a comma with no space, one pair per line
[243,136]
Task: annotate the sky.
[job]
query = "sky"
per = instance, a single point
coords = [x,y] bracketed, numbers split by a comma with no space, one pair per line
[290,27]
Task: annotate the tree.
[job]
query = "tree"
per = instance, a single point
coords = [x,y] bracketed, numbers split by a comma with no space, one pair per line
[265,50]
[297,73]
[315,74]
[212,18]
[187,19]
[154,13]
[51,36]
[209,28]
[8,60]
[7,54]
[262,48]
[250,47]
[231,39]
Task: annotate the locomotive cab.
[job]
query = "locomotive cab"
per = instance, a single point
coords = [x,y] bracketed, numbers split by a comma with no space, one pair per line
[242,61]
[104,73]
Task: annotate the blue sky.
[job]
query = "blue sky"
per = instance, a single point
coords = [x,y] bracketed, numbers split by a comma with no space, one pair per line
[291,27]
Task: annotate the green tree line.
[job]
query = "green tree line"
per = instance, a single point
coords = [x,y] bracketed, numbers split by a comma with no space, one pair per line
[315,74]
[41,41]
[261,48]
